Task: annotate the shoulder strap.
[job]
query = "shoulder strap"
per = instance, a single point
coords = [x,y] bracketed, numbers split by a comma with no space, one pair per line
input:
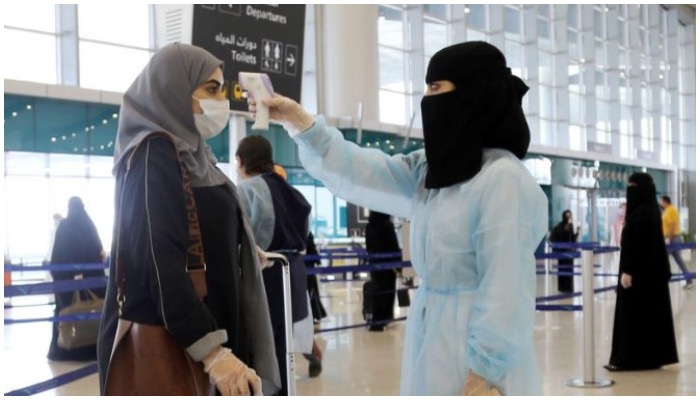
[195,263]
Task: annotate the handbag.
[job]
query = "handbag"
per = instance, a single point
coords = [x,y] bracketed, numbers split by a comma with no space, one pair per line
[402,294]
[74,334]
[146,359]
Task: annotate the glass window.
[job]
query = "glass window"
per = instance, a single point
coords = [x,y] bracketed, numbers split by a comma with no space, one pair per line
[37,64]
[476,35]
[543,28]
[546,68]
[29,15]
[511,20]
[62,165]
[107,67]
[576,137]
[393,107]
[436,11]
[30,220]
[24,164]
[574,48]
[514,57]
[547,102]
[544,10]
[576,113]
[548,133]
[391,32]
[476,16]
[391,69]
[106,22]
[572,15]
[434,36]
[598,24]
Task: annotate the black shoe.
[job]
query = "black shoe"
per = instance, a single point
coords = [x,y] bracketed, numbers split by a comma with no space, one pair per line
[377,328]
[315,366]
[612,368]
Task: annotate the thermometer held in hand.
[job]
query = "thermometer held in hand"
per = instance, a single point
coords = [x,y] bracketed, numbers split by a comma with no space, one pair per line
[260,87]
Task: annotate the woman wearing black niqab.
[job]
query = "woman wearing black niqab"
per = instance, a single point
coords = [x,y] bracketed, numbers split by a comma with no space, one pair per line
[564,233]
[76,242]
[643,334]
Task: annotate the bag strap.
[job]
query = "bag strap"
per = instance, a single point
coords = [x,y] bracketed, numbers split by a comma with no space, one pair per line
[195,265]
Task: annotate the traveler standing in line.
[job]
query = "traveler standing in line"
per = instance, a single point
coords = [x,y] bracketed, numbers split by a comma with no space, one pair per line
[279,216]
[672,235]
[175,104]
[76,242]
[477,217]
[380,238]
[643,334]
[564,233]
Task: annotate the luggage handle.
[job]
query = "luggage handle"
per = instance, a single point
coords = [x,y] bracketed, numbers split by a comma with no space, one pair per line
[289,336]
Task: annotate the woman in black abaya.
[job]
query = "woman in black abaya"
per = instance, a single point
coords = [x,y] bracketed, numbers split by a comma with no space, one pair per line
[643,334]
[76,242]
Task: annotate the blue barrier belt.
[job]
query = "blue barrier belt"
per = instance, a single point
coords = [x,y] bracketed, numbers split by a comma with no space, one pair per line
[357,268]
[55,382]
[56,267]
[55,287]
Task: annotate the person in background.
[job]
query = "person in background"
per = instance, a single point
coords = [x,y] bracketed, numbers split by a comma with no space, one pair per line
[76,242]
[279,215]
[56,218]
[619,223]
[672,235]
[175,104]
[564,233]
[643,333]
[477,217]
[317,310]
[380,238]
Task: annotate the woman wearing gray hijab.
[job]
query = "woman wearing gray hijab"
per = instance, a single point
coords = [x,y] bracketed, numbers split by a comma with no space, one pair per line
[177,102]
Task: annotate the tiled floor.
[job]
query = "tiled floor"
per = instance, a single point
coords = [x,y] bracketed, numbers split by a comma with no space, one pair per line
[358,362]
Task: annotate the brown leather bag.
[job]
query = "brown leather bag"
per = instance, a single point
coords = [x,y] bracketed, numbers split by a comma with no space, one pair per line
[149,362]
[146,360]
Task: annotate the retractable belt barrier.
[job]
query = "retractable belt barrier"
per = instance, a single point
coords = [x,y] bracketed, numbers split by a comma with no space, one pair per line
[576,250]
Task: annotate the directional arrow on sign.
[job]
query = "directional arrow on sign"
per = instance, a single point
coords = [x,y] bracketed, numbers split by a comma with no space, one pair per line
[291,60]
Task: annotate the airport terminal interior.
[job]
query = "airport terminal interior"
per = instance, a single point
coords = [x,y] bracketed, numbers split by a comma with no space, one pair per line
[612,92]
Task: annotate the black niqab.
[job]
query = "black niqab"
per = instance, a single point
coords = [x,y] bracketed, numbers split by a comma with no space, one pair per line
[484,111]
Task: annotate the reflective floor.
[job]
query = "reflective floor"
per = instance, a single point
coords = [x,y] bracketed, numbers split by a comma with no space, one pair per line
[359,362]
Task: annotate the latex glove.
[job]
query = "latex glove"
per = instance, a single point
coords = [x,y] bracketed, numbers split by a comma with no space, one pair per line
[626,280]
[478,386]
[264,262]
[230,375]
[667,241]
[289,113]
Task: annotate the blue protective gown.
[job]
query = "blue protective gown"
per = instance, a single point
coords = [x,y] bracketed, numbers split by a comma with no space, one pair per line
[472,245]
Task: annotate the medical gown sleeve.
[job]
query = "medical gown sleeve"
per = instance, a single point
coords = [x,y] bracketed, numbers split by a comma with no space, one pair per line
[256,202]
[366,177]
[504,308]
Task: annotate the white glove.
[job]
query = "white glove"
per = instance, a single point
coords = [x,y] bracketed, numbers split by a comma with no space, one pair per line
[230,375]
[667,241]
[264,262]
[289,113]
[626,280]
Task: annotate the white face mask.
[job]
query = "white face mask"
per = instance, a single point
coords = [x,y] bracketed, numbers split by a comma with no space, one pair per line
[214,119]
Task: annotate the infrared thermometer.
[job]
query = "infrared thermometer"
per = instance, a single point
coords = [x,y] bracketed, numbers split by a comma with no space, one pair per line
[260,87]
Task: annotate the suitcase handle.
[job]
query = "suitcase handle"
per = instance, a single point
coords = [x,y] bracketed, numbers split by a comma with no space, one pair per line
[289,336]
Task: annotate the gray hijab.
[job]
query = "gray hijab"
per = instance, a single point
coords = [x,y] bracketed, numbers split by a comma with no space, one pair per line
[160,100]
